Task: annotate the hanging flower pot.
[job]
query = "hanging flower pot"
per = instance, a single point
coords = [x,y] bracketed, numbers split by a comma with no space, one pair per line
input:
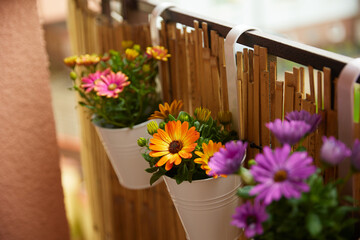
[182,149]
[205,206]
[119,89]
[125,154]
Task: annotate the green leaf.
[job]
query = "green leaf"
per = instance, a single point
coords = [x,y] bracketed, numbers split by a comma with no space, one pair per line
[151,170]
[301,149]
[244,192]
[313,224]
[156,176]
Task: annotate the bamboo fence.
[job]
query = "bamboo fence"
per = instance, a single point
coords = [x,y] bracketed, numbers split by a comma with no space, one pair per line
[196,74]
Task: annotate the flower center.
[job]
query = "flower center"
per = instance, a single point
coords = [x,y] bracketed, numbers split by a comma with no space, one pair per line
[97,81]
[175,147]
[112,86]
[251,220]
[167,112]
[280,176]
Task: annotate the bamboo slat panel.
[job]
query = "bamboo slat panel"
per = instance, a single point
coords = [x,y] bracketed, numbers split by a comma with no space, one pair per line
[117,213]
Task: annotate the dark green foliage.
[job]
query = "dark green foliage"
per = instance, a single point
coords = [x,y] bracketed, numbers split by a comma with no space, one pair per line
[316,215]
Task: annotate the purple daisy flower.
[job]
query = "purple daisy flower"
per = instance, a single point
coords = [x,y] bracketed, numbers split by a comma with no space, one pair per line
[355,156]
[333,151]
[88,83]
[312,119]
[111,85]
[288,132]
[228,160]
[250,217]
[280,173]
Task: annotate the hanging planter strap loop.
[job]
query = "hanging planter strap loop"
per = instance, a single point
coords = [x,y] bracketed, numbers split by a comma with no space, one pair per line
[345,101]
[157,11]
[231,70]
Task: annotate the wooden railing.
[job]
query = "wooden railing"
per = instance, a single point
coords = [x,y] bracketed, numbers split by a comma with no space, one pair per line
[197,61]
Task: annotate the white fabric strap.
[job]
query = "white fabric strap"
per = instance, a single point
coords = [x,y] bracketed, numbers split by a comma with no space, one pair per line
[231,70]
[157,11]
[345,101]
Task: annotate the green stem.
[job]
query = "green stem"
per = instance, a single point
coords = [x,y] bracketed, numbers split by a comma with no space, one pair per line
[346,179]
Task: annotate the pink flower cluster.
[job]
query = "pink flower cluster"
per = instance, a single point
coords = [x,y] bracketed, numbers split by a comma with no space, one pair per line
[105,83]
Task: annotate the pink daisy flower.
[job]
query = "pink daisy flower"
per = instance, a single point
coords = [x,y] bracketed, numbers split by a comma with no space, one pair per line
[281,173]
[111,85]
[88,83]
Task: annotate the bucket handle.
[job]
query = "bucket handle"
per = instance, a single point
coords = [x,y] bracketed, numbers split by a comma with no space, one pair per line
[157,11]
[231,70]
[345,101]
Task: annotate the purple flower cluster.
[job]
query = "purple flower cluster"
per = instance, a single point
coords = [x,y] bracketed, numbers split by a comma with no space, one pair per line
[297,125]
[228,160]
[280,173]
[288,132]
[312,119]
[333,151]
[250,217]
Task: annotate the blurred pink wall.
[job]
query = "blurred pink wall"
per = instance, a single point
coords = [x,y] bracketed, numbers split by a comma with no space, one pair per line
[31,197]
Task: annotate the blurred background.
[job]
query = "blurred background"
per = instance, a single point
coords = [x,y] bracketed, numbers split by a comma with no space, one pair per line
[332,25]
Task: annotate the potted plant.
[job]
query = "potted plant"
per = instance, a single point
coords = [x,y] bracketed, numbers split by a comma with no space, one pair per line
[285,195]
[119,90]
[180,149]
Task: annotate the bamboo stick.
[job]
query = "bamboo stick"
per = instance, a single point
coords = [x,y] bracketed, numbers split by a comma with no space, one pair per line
[319,92]
[289,93]
[204,27]
[311,82]
[279,103]
[327,89]
[245,82]
[264,97]
[256,99]
[302,81]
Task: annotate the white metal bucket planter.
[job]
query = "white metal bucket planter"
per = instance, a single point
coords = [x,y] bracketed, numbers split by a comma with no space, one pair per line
[125,155]
[205,207]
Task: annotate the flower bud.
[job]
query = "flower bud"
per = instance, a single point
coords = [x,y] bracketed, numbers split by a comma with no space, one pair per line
[224,117]
[183,116]
[246,176]
[202,114]
[152,127]
[137,47]
[251,162]
[73,75]
[141,142]
[162,125]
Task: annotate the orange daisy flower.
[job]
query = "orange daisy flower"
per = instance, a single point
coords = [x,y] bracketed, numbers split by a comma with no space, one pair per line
[173,144]
[165,110]
[208,152]
[158,52]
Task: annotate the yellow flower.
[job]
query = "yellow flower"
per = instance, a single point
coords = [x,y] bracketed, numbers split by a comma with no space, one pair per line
[127,44]
[158,52]
[165,110]
[87,59]
[131,54]
[137,47]
[70,61]
[206,154]
[152,127]
[173,144]
[224,117]
[202,114]
[146,68]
